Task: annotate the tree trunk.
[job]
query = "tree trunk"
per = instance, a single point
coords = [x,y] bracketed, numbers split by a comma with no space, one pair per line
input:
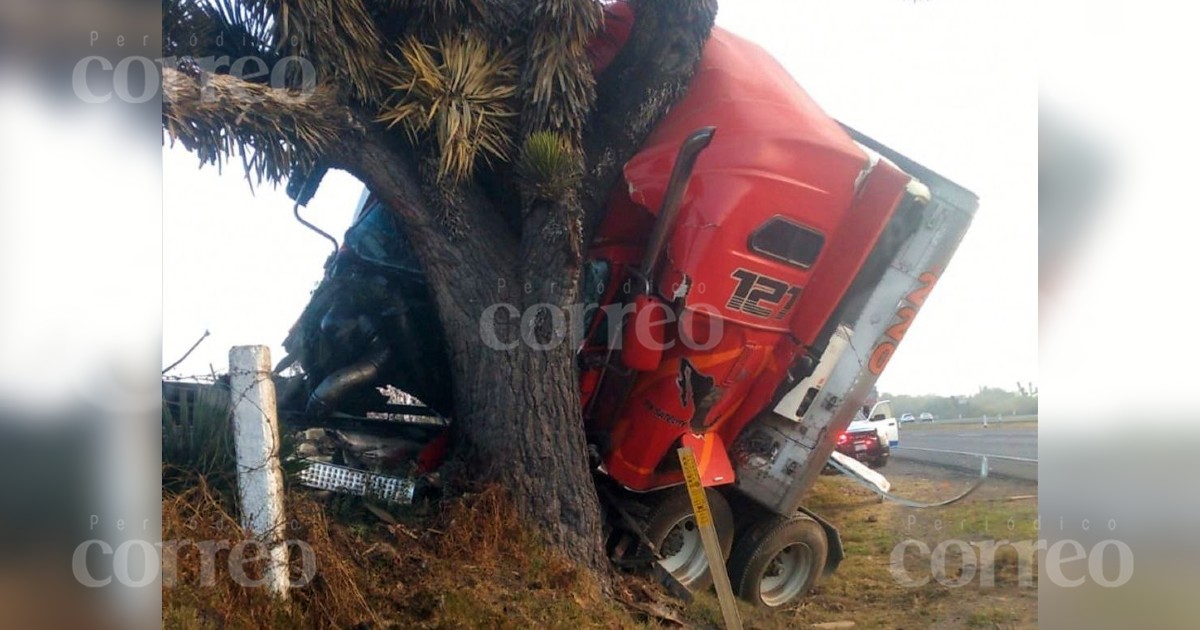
[517,400]
[520,414]
[516,397]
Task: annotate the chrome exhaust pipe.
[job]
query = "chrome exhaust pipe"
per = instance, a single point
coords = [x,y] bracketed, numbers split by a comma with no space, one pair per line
[673,197]
[325,397]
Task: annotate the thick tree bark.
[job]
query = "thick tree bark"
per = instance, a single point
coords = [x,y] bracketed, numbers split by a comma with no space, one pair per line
[521,409]
[515,390]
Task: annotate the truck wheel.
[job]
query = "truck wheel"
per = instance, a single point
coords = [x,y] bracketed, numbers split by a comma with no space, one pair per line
[672,528]
[777,561]
[880,462]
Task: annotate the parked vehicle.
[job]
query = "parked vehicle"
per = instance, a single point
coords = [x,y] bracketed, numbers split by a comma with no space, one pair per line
[866,446]
[758,265]
[926,417]
[881,420]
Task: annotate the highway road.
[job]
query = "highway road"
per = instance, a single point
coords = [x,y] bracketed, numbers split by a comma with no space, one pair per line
[943,445]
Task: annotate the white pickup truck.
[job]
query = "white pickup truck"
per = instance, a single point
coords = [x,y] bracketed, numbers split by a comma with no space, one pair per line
[882,420]
[795,403]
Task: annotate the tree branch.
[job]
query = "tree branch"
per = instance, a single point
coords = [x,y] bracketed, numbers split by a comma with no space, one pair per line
[277,129]
[392,174]
[557,88]
[219,115]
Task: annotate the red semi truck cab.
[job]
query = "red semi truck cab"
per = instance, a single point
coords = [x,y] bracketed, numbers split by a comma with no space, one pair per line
[757,268]
[779,215]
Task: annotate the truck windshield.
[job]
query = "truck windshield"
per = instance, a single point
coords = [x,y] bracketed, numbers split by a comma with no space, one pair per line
[378,238]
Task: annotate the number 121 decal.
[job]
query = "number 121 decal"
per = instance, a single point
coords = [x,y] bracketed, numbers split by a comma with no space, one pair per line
[762,296]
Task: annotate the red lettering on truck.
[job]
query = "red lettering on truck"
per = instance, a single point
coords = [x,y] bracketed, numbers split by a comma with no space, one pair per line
[904,317]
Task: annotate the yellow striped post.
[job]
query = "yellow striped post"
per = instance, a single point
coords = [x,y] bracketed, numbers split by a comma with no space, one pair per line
[708,536]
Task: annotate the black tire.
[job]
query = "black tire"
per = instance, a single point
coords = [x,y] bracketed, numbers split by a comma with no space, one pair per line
[752,569]
[673,507]
[885,453]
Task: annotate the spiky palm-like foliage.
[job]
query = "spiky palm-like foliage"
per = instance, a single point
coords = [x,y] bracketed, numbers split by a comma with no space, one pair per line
[557,88]
[548,166]
[216,28]
[469,79]
[494,17]
[272,131]
[341,35]
[457,92]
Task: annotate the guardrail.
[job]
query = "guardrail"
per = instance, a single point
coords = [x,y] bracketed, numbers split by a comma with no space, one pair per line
[1011,458]
[979,420]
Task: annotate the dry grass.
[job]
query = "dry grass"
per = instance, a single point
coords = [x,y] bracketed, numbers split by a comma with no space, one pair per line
[467,564]
[864,591]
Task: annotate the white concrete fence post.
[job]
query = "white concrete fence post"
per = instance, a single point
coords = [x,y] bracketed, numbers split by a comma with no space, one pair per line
[259,476]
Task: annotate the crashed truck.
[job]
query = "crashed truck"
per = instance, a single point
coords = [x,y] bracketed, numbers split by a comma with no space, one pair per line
[750,230]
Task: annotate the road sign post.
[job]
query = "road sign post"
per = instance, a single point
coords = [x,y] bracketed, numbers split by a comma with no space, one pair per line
[708,536]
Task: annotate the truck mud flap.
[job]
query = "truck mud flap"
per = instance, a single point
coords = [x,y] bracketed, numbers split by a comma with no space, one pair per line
[836,552]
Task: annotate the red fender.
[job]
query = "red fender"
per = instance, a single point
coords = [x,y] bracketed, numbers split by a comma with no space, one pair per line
[711,458]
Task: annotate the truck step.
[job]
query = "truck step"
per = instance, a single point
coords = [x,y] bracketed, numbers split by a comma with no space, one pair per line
[323,476]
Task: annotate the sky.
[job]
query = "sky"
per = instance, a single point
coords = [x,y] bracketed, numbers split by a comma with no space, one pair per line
[951,84]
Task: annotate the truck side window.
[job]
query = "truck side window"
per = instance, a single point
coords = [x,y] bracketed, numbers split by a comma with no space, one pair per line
[786,241]
[594,286]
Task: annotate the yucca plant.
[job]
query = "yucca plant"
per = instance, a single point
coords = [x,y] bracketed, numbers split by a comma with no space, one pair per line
[548,165]
[458,93]
[480,125]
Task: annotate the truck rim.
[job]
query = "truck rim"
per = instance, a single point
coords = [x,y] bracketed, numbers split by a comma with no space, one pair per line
[786,574]
[683,552]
